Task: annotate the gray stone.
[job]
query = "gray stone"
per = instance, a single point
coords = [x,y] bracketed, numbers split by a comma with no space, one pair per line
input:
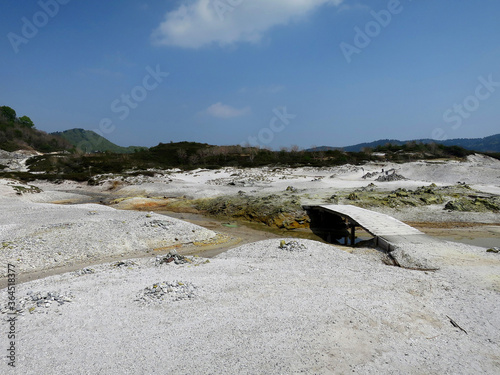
[412,256]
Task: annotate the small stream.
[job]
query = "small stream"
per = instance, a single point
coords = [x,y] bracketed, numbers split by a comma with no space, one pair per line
[487,242]
[253,229]
[257,230]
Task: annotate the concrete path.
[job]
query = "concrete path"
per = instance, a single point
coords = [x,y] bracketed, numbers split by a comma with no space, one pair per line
[375,223]
[386,229]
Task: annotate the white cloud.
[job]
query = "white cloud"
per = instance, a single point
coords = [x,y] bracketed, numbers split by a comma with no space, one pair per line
[196,23]
[226,111]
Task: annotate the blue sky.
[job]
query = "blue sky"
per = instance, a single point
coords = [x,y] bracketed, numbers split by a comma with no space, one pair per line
[266,72]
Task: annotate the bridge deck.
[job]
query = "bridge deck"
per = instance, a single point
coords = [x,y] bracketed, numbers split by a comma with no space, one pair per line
[386,229]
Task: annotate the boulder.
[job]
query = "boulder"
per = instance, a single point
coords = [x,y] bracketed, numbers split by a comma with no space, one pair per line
[412,256]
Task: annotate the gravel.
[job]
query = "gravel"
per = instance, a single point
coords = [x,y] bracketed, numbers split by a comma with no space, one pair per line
[167,291]
[260,309]
[391,177]
[40,302]
[43,236]
[292,246]
[281,306]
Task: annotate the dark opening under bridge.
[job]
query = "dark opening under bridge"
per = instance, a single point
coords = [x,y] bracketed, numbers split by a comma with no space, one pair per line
[388,231]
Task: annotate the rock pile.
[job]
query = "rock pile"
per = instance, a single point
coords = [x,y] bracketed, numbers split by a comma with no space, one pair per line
[243,179]
[124,263]
[84,271]
[453,198]
[292,246]
[167,291]
[172,256]
[369,175]
[353,196]
[476,204]
[391,177]
[156,224]
[40,302]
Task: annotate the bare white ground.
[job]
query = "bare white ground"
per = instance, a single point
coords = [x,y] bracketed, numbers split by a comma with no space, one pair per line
[39,236]
[262,309]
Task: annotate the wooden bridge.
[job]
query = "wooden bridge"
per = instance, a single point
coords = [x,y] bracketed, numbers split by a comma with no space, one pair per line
[387,230]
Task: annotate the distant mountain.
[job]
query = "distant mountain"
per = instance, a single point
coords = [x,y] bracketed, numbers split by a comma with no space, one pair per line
[91,142]
[358,147]
[380,142]
[323,148]
[487,144]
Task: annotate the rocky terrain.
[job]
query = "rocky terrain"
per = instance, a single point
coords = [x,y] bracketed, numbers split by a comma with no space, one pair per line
[265,308]
[460,191]
[107,266]
[15,161]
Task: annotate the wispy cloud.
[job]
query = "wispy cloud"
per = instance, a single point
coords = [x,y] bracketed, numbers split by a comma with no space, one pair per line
[196,23]
[220,110]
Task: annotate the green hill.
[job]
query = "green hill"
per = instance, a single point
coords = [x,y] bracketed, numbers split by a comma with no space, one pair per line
[91,142]
[19,133]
